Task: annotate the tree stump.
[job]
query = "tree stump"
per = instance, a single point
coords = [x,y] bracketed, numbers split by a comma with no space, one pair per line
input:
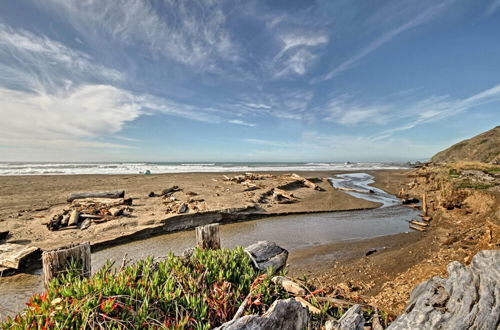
[207,237]
[55,262]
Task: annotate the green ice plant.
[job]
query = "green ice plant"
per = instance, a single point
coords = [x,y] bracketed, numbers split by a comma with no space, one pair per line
[201,292]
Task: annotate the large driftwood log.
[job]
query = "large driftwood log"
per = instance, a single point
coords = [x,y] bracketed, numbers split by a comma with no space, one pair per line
[283,314]
[97,194]
[14,255]
[55,262]
[468,299]
[207,237]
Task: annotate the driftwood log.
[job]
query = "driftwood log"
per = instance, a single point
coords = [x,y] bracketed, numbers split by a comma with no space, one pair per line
[55,262]
[207,237]
[424,205]
[415,227]
[469,298]
[97,194]
[283,314]
[14,255]
[289,285]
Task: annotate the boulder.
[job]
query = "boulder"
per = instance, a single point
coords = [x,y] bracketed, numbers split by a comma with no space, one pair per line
[468,299]
[265,254]
[283,314]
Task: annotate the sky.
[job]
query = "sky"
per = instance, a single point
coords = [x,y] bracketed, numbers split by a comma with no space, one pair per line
[277,80]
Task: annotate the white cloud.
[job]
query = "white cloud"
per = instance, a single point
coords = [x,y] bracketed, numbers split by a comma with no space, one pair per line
[73,116]
[36,63]
[241,122]
[193,33]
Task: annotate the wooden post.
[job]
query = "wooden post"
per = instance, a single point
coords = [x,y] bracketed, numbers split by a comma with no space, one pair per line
[207,237]
[56,261]
[424,204]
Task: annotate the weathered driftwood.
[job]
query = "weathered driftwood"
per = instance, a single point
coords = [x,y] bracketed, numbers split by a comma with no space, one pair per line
[90,216]
[74,218]
[265,254]
[427,218]
[207,237]
[286,314]
[376,325]
[169,190]
[467,299]
[312,309]
[97,194]
[307,182]
[14,255]
[415,227]
[85,224]
[351,320]
[242,307]
[289,285]
[55,262]
[419,223]
[424,205]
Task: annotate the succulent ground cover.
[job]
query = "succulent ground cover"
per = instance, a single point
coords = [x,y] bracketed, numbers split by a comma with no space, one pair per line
[200,292]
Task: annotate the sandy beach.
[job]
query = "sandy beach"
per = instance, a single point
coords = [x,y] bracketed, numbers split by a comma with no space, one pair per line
[28,202]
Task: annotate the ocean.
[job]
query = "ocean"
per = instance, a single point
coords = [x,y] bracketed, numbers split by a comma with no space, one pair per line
[19,168]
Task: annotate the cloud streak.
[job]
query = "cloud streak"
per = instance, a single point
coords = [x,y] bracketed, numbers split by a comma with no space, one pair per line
[421,18]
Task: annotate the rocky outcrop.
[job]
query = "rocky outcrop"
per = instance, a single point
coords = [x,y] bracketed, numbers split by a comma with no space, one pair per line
[468,299]
[266,254]
[283,314]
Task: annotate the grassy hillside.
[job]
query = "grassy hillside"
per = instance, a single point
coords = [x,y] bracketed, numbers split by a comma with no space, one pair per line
[484,147]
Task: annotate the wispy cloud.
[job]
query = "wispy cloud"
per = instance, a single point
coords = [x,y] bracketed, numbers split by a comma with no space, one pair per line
[241,122]
[189,32]
[421,18]
[437,108]
[343,111]
[494,6]
[36,63]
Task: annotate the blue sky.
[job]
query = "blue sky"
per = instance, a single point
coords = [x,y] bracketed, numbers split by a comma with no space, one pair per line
[245,80]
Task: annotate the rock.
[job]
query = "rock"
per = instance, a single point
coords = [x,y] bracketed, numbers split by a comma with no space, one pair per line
[85,224]
[152,194]
[283,314]
[266,254]
[468,299]
[352,319]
